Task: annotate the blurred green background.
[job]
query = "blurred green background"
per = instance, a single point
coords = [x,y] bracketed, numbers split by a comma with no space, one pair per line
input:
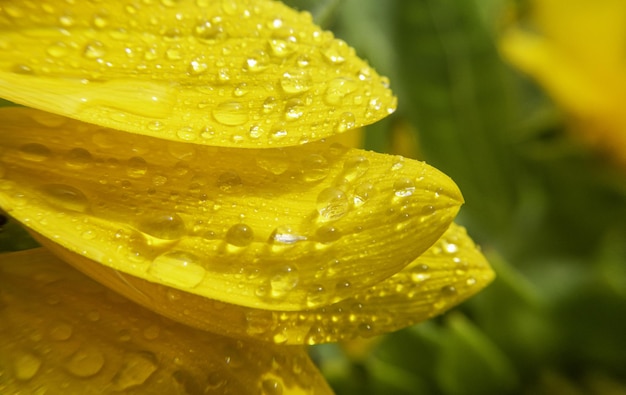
[549,212]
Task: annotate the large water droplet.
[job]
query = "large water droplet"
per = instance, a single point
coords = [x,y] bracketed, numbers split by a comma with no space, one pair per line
[403,187]
[283,281]
[355,167]
[65,197]
[346,122]
[256,62]
[296,81]
[332,203]
[282,48]
[363,193]
[314,168]
[136,368]
[166,227]
[35,152]
[26,366]
[136,167]
[338,89]
[85,362]
[177,268]
[285,235]
[271,387]
[79,158]
[231,113]
[336,51]
[240,235]
[61,331]
[229,182]
[207,31]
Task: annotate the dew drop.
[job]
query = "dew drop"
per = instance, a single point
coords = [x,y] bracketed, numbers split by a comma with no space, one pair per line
[363,193]
[281,48]
[177,268]
[94,50]
[35,152]
[61,331]
[240,235]
[269,104]
[78,158]
[26,366]
[327,234]
[136,368]
[315,167]
[355,167]
[136,167]
[346,122]
[294,109]
[338,89]
[271,387]
[283,281]
[165,227]
[151,332]
[296,81]
[57,50]
[257,62]
[229,182]
[197,66]
[403,187]
[66,197]
[274,161]
[316,296]
[208,32]
[448,291]
[285,235]
[332,203]
[85,362]
[230,113]
[336,51]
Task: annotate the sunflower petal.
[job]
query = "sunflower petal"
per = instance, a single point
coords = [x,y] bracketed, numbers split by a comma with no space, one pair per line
[63,333]
[246,73]
[452,270]
[286,229]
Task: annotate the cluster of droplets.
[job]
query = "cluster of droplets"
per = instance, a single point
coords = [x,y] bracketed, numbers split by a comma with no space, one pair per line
[177,218]
[292,83]
[54,351]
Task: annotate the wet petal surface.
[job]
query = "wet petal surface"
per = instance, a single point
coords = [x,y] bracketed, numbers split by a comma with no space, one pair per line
[64,333]
[286,229]
[229,73]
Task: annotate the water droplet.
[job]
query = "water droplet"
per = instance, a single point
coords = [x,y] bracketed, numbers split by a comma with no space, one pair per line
[271,387]
[336,51]
[208,32]
[136,167]
[448,291]
[100,20]
[197,66]
[57,50]
[240,235]
[303,61]
[332,204]
[338,89]
[230,113]
[26,366]
[229,182]
[257,62]
[166,226]
[136,368]
[85,362]
[355,167]
[241,89]
[363,193]
[285,235]
[65,197]
[314,168]
[78,158]
[61,331]
[294,109]
[273,160]
[151,332]
[35,152]
[282,48]
[403,187]
[450,248]
[269,104]
[94,50]
[327,234]
[346,122]
[296,81]
[177,268]
[283,281]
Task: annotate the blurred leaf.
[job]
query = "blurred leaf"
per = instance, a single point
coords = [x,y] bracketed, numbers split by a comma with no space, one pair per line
[471,364]
[455,91]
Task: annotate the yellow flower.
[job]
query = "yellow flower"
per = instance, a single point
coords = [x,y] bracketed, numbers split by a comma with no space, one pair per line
[183,154]
[576,53]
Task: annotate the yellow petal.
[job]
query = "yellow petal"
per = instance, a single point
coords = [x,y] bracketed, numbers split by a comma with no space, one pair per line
[452,270]
[246,73]
[282,229]
[62,333]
